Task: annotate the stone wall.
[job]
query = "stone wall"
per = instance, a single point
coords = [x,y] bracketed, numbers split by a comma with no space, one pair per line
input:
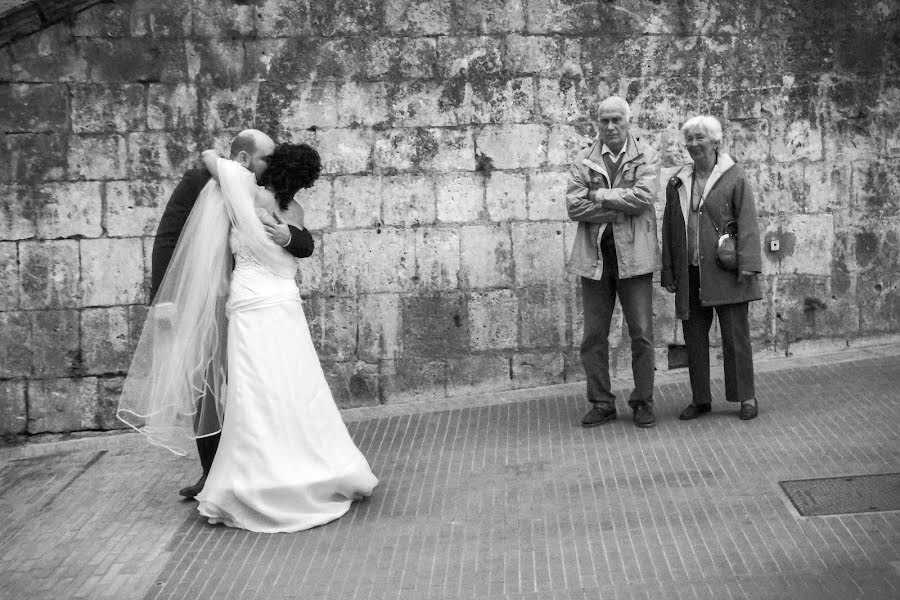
[446,127]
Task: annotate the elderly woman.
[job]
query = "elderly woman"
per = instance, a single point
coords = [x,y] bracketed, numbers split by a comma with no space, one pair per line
[705,199]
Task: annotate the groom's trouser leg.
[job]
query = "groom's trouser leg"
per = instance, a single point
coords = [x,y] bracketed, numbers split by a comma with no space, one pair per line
[206,448]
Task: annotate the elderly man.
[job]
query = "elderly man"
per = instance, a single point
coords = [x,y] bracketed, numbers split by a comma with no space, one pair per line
[251,148]
[611,190]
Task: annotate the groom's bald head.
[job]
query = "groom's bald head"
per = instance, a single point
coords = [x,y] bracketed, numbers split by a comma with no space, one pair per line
[252,148]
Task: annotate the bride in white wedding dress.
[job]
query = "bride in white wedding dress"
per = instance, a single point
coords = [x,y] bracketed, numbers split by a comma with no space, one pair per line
[285,461]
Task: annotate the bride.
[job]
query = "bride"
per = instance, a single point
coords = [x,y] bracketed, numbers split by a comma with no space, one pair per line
[285,460]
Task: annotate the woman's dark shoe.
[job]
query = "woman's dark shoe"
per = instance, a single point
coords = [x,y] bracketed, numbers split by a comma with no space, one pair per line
[643,415]
[692,411]
[749,410]
[599,415]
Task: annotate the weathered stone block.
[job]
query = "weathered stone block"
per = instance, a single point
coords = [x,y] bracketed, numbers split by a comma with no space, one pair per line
[127,60]
[370,261]
[337,326]
[555,16]
[345,150]
[541,55]
[353,384]
[498,101]
[109,337]
[547,196]
[408,200]
[108,391]
[876,188]
[49,54]
[318,204]
[68,209]
[538,253]
[806,245]
[478,374]
[172,107]
[747,139]
[357,202]
[400,58]
[228,108]
[666,326]
[437,259]
[13,407]
[9,276]
[33,108]
[422,17]
[279,18]
[17,212]
[506,196]
[363,104]
[49,274]
[828,188]
[879,302]
[301,106]
[380,326]
[210,18]
[443,149]
[97,157]
[460,197]
[15,349]
[806,308]
[160,19]
[565,141]
[493,320]
[542,317]
[103,20]
[58,405]
[489,17]
[55,343]
[795,140]
[395,150]
[563,100]
[778,187]
[112,272]
[409,379]
[37,157]
[160,154]
[512,146]
[435,325]
[532,369]
[473,57]
[486,256]
[430,103]
[111,107]
[134,208]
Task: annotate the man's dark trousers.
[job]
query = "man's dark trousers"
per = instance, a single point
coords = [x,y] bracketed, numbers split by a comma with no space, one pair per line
[598,300]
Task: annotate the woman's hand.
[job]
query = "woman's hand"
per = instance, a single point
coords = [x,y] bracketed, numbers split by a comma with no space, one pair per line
[746,276]
[671,288]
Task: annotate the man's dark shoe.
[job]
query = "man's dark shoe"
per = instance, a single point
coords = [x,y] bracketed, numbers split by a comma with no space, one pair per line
[643,416]
[599,415]
[692,411]
[191,491]
[749,410]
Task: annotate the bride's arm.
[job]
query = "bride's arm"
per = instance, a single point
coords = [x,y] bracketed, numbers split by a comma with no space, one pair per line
[211,162]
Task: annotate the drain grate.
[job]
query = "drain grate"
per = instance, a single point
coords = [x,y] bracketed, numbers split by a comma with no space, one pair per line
[844,495]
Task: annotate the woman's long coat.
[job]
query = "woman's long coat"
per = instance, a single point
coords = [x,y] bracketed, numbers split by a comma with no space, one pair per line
[728,197]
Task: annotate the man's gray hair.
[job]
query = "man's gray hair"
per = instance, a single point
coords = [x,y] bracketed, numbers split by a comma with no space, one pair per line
[705,124]
[616,102]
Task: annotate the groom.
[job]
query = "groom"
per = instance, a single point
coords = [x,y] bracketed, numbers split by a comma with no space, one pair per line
[251,148]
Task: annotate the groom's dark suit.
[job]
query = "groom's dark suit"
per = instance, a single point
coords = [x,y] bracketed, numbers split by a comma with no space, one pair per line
[170,225]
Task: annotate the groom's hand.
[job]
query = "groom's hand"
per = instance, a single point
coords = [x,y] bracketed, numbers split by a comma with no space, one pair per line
[277,230]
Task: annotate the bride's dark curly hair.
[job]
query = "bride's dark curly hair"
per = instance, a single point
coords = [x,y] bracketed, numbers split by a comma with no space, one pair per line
[292,167]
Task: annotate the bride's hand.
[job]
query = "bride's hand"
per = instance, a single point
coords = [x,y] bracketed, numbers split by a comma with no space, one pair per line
[210,161]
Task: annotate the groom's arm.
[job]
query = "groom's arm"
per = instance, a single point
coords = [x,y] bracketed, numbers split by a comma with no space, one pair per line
[301,243]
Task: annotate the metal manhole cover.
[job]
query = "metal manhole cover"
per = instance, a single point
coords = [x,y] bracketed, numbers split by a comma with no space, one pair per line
[844,495]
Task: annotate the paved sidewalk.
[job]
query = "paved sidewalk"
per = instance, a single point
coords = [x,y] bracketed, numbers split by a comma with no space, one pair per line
[504,498]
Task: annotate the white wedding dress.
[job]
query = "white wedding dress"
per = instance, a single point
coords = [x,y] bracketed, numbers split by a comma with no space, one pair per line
[285,460]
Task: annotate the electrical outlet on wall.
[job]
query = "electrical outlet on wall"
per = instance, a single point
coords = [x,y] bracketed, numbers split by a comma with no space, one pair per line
[774,245]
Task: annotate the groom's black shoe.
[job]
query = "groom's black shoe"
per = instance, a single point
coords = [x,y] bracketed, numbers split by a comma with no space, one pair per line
[191,491]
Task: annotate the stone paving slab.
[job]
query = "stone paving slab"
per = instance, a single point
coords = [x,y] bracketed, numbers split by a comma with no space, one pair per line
[506,500]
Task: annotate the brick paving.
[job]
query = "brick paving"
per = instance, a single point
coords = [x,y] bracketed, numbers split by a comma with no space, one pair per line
[506,497]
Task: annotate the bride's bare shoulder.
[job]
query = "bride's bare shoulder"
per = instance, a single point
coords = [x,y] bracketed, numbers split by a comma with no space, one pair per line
[264,199]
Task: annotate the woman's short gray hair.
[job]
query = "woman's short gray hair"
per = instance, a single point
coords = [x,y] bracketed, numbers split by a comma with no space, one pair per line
[705,123]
